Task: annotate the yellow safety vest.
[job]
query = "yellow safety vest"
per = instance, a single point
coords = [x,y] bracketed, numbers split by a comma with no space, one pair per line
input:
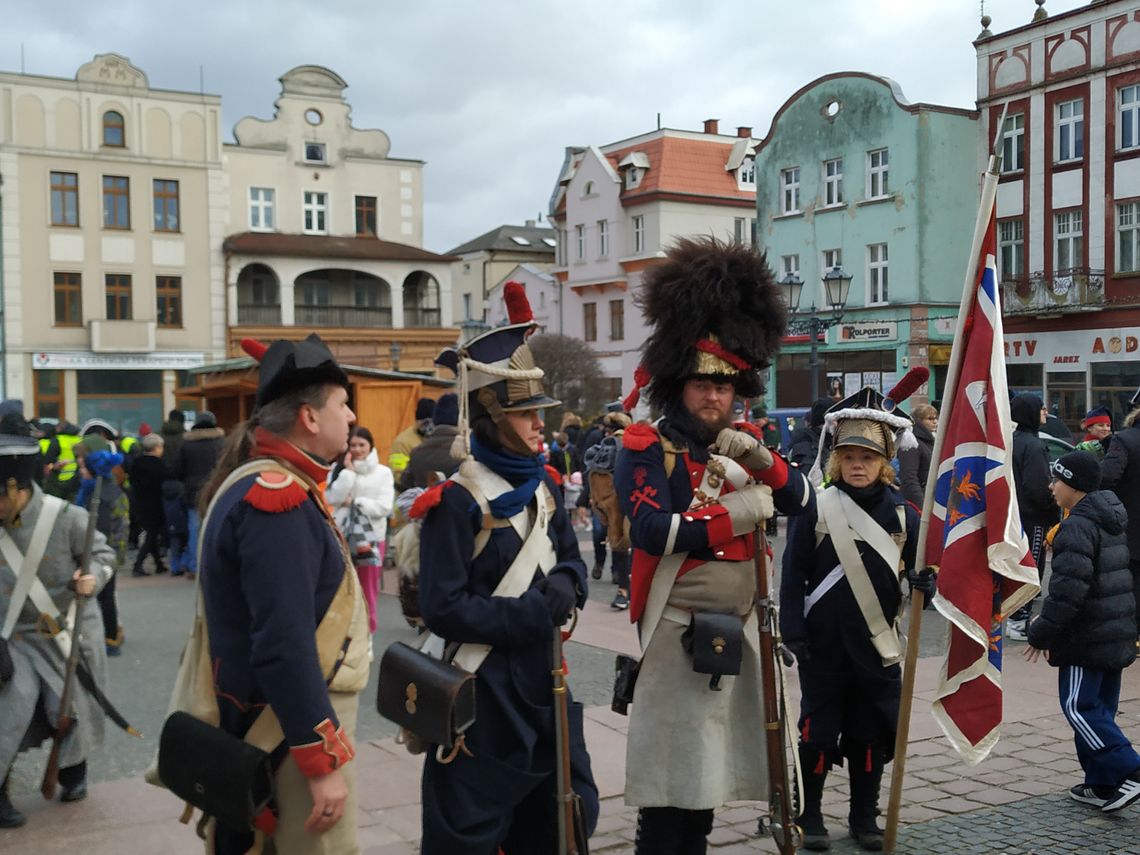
[67,443]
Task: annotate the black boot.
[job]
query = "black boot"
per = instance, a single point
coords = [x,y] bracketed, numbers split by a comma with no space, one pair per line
[9,816]
[73,782]
[813,764]
[659,831]
[866,768]
[695,828]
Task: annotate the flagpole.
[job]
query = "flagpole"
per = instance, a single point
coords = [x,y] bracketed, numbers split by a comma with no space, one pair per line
[906,698]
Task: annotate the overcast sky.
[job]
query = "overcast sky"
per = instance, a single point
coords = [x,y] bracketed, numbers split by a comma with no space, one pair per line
[489,93]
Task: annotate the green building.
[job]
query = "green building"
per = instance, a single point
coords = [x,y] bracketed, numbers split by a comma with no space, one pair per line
[852,176]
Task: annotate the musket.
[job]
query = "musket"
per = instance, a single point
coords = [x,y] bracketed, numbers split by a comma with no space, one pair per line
[66,720]
[781,817]
[571,829]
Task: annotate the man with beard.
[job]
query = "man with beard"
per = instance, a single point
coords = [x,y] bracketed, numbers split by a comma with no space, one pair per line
[695,490]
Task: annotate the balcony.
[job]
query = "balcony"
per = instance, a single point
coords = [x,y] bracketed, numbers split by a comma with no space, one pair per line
[259,314]
[109,336]
[1064,292]
[342,316]
[415,316]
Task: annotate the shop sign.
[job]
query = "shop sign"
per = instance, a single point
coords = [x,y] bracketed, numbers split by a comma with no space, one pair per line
[110,361]
[867,331]
[1074,348]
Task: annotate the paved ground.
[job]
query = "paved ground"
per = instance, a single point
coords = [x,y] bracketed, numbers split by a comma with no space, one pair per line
[1014,803]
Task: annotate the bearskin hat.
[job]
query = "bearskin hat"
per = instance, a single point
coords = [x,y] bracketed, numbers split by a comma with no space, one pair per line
[715,310]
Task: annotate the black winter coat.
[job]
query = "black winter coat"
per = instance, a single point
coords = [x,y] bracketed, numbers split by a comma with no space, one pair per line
[195,460]
[147,473]
[1031,464]
[914,465]
[1089,615]
[1120,472]
[804,445]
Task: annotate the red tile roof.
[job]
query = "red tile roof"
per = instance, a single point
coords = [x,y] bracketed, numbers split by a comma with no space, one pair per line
[686,166]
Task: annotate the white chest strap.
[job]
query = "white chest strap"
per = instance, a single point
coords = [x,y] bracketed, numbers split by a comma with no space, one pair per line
[26,565]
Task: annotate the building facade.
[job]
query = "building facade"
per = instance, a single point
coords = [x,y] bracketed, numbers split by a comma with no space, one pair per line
[112,214]
[488,260]
[1068,204]
[325,234]
[616,209]
[853,176]
[543,291]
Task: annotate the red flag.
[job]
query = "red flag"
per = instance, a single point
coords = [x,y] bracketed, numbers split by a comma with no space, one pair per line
[975,535]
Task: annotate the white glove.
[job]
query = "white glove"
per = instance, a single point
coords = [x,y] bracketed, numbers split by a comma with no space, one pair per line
[744,448]
[748,507]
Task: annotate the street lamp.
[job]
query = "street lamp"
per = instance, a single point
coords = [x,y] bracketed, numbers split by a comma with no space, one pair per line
[836,285]
[394,350]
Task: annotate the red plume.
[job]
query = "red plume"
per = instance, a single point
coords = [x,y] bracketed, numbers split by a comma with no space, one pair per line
[254,348]
[641,378]
[909,383]
[518,306]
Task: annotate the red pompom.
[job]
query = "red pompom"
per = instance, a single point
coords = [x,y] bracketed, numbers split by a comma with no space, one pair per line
[639,437]
[254,348]
[641,378]
[909,383]
[518,306]
[428,500]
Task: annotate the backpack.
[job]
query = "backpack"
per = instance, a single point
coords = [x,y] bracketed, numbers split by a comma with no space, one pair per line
[601,461]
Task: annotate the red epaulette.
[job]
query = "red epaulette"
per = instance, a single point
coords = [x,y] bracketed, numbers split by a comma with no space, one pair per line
[750,429]
[639,437]
[276,492]
[428,500]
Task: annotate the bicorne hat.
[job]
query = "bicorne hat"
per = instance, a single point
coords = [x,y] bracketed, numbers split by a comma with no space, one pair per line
[287,366]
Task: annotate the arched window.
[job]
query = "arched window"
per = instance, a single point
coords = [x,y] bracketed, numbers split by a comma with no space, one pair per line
[114,130]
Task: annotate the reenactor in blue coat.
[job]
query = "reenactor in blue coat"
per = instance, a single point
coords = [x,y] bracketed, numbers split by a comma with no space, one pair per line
[273,566]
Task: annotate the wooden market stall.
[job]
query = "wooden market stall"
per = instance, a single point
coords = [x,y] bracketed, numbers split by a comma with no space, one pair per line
[384,401]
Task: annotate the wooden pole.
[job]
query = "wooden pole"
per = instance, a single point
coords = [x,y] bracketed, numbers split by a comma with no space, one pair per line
[902,731]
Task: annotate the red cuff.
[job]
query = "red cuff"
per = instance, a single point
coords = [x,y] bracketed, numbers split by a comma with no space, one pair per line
[776,475]
[320,758]
[265,822]
[718,524]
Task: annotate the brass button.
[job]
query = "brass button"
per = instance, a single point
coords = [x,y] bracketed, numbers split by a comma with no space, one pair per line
[718,645]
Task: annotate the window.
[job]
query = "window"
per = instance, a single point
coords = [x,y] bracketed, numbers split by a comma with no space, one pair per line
[789,265]
[590,321]
[1128,116]
[1071,130]
[1068,236]
[1011,248]
[632,177]
[877,185]
[1013,143]
[64,199]
[790,190]
[744,230]
[366,215]
[165,205]
[116,202]
[638,234]
[876,273]
[467,307]
[746,175]
[168,294]
[118,289]
[580,235]
[1128,237]
[315,152]
[603,239]
[261,203]
[617,320]
[588,190]
[114,130]
[315,209]
[833,182]
[68,291]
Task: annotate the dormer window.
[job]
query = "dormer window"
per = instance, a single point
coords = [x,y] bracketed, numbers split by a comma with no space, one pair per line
[632,177]
[315,152]
[114,129]
[746,175]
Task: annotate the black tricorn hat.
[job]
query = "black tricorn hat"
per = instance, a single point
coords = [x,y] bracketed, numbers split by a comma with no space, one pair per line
[19,452]
[290,365]
[716,311]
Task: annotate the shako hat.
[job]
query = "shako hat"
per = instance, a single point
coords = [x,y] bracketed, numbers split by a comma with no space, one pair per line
[290,365]
[715,311]
[868,419]
[19,453]
[496,369]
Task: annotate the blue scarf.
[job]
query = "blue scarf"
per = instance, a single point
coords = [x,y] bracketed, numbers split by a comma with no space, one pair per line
[525,472]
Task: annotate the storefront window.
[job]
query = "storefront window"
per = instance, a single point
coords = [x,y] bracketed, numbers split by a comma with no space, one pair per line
[49,394]
[125,399]
[1113,385]
[1067,398]
[1025,378]
[840,374]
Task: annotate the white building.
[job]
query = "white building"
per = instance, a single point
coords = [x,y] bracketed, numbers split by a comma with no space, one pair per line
[617,208]
[542,291]
[487,259]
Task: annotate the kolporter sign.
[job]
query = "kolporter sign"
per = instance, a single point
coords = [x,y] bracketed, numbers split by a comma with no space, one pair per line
[866,331]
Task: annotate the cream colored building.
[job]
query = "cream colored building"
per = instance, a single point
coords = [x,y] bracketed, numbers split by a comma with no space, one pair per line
[486,260]
[325,234]
[111,223]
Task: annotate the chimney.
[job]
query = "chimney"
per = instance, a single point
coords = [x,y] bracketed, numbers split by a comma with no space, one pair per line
[530,224]
[744,132]
[711,126]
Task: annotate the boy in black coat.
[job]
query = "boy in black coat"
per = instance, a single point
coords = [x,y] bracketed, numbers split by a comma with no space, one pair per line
[1087,629]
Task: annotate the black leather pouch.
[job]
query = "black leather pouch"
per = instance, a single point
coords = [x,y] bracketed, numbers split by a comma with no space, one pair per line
[432,699]
[223,776]
[626,669]
[716,643]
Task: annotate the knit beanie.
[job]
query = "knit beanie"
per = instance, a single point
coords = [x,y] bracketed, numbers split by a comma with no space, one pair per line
[1079,469]
[424,409]
[446,410]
